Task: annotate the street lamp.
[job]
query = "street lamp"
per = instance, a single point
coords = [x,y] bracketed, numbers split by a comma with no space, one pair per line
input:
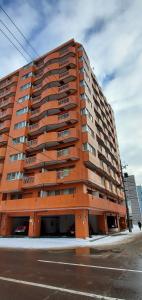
[126,202]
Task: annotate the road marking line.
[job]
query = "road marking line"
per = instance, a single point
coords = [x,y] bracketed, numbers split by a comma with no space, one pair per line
[56,288]
[89,266]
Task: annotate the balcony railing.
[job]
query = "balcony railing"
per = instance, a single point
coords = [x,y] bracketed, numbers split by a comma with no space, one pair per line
[29,179]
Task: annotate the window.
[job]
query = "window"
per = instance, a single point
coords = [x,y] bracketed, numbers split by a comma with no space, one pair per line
[63,133]
[86,128]
[57,192]
[63,116]
[86,112]
[22,111]
[27,75]
[17,156]
[21,124]
[63,173]
[90,148]
[85,97]
[24,98]
[14,176]
[25,86]
[19,140]
[64,151]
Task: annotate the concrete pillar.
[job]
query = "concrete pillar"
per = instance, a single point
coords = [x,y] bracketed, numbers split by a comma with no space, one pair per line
[102,222]
[6,225]
[122,223]
[81,224]
[34,226]
[117,222]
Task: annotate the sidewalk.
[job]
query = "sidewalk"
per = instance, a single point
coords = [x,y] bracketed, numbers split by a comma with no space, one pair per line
[67,243]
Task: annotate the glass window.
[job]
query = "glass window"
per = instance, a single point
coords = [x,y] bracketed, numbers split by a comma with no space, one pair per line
[22,111]
[86,128]
[63,133]
[64,151]
[85,111]
[24,98]
[14,175]
[90,148]
[21,124]
[27,75]
[17,156]
[63,116]
[19,140]
[25,86]
[57,192]
[63,173]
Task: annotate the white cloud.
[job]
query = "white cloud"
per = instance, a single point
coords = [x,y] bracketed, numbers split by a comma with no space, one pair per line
[116,48]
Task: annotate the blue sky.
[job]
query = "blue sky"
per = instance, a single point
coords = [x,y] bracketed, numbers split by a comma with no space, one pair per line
[111,32]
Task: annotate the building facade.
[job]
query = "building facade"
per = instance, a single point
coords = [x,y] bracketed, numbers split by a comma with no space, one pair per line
[59,159]
[139,192]
[132,198]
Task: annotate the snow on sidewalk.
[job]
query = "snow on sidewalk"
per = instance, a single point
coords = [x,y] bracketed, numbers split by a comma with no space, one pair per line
[66,243]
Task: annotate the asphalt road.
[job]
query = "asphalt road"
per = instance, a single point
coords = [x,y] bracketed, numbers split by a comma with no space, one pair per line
[106,273]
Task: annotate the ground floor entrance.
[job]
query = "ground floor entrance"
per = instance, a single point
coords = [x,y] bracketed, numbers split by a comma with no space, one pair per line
[58,225]
[80,223]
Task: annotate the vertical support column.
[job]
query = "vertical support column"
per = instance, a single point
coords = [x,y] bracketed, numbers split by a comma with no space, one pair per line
[117,222]
[34,226]
[6,225]
[122,223]
[103,227]
[81,224]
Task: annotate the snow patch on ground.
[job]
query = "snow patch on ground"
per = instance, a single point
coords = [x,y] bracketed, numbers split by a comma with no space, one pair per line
[66,243]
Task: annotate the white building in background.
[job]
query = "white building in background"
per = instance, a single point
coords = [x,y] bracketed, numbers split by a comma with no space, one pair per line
[139,191]
[132,198]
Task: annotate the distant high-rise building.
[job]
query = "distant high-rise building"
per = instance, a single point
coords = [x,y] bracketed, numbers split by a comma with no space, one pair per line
[132,198]
[59,159]
[139,191]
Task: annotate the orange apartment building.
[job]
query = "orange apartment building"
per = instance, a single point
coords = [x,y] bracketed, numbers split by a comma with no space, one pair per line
[59,159]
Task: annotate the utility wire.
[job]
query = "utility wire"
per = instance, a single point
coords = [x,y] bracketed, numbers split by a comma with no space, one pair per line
[18,29]
[15,38]
[13,44]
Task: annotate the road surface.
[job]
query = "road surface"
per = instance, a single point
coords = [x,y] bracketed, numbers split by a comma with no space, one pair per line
[107,273]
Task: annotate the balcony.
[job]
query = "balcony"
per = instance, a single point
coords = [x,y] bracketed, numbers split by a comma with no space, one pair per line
[62,91]
[5,126]
[2,152]
[6,114]
[59,53]
[8,82]
[7,103]
[66,76]
[66,89]
[10,186]
[47,158]
[53,107]
[51,139]
[36,101]
[50,178]
[90,160]
[3,139]
[8,91]
[36,87]
[54,122]
[40,179]
[70,61]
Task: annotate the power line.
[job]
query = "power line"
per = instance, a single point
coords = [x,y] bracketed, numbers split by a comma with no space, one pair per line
[15,38]
[27,41]
[13,44]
